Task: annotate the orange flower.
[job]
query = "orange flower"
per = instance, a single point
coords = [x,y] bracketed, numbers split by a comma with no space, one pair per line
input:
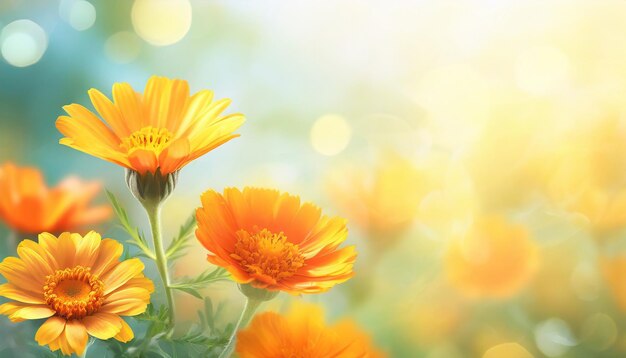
[303,333]
[384,202]
[27,205]
[79,285]
[496,258]
[162,129]
[268,239]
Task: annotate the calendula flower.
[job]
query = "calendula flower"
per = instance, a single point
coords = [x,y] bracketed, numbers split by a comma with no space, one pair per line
[78,285]
[495,258]
[157,132]
[383,202]
[269,240]
[302,332]
[28,206]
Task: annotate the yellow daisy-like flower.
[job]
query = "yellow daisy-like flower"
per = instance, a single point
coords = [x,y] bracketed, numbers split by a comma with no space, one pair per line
[303,333]
[79,285]
[269,240]
[164,128]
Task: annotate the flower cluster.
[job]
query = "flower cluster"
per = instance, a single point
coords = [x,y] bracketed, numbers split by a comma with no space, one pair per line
[268,241]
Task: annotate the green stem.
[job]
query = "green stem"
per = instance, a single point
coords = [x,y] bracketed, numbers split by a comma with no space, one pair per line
[154,215]
[248,311]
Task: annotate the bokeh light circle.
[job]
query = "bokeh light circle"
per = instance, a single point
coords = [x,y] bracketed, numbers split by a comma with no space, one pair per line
[23,43]
[330,134]
[82,15]
[508,350]
[161,22]
[122,47]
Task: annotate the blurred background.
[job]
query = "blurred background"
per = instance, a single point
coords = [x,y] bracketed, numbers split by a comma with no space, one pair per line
[478,149]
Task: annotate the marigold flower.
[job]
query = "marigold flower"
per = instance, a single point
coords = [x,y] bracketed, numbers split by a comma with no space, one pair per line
[302,332]
[271,241]
[496,258]
[27,205]
[164,128]
[78,284]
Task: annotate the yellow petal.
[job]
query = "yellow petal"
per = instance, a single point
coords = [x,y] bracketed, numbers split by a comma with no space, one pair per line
[103,325]
[121,273]
[32,312]
[126,333]
[50,330]
[76,335]
[13,292]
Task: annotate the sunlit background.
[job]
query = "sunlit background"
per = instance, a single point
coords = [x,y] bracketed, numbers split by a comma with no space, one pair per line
[478,149]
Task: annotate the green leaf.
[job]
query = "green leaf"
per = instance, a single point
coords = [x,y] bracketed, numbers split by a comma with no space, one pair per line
[193,285]
[137,238]
[180,243]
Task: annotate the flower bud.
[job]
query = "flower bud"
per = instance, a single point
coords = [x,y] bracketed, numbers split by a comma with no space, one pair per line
[149,188]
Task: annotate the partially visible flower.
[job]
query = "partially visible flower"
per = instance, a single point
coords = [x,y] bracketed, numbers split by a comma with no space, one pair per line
[302,332]
[28,206]
[383,202]
[271,241]
[162,129]
[583,174]
[496,258]
[613,270]
[77,284]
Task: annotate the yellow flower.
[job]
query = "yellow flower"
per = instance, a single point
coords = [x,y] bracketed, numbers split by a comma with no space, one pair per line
[496,258]
[78,285]
[384,202]
[271,241]
[27,205]
[164,128]
[303,333]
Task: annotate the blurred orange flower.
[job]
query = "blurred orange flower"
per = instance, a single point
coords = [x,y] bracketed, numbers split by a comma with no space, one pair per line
[495,258]
[79,285]
[384,202]
[164,128]
[27,205]
[302,332]
[270,240]
[614,269]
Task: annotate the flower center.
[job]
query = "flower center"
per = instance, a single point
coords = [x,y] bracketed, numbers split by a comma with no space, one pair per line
[148,138]
[74,292]
[267,256]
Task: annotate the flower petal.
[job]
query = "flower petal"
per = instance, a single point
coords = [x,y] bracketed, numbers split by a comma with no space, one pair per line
[126,333]
[50,330]
[76,335]
[103,325]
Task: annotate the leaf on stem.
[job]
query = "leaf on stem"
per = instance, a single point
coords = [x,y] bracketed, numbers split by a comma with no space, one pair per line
[180,243]
[136,238]
[193,285]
